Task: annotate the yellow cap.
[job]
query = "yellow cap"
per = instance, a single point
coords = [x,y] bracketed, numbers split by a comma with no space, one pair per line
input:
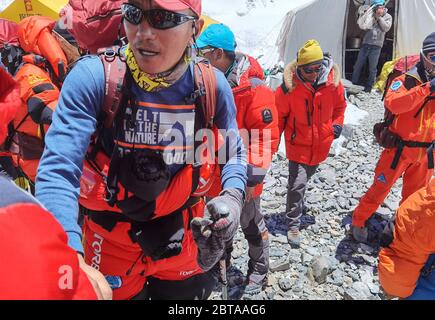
[309,53]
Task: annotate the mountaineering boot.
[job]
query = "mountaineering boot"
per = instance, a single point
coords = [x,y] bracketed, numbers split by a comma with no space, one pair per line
[294,238]
[255,283]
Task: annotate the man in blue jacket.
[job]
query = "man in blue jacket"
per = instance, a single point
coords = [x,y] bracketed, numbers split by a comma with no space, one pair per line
[146,229]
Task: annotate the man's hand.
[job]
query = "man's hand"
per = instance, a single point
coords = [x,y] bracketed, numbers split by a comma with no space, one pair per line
[217,227]
[337,130]
[379,12]
[96,278]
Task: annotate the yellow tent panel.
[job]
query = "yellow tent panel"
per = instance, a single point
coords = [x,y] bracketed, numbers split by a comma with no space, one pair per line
[20,9]
[208,21]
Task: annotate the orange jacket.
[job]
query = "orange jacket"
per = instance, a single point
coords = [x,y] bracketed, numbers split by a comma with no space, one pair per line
[405,99]
[401,262]
[257,119]
[307,115]
[38,93]
[9,102]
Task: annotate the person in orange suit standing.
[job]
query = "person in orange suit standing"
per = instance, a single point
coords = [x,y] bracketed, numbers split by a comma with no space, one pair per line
[408,138]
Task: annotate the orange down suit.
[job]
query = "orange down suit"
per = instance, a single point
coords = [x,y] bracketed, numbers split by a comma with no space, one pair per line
[401,263]
[257,117]
[38,93]
[307,115]
[411,123]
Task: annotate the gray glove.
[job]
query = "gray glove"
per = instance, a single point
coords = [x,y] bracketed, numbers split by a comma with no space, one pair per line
[218,226]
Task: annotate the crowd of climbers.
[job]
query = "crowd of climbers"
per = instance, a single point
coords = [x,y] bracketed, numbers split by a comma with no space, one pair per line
[110,146]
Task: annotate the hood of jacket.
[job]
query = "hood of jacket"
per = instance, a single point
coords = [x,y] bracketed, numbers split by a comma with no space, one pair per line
[245,68]
[330,73]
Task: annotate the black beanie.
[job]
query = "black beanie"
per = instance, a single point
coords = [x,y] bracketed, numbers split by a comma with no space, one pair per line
[429,44]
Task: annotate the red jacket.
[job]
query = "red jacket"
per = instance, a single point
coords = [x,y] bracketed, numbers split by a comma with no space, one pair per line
[37,263]
[307,115]
[257,119]
[9,102]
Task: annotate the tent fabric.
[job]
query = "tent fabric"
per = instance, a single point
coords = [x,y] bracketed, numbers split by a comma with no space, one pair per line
[208,21]
[416,20]
[302,24]
[20,9]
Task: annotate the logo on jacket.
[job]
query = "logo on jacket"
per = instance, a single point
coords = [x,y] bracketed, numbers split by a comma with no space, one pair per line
[396,85]
[115,282]
[382,178]
[267,116]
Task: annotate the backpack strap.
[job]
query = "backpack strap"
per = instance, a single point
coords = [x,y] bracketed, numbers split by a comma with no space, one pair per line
[114,83]
[205,91]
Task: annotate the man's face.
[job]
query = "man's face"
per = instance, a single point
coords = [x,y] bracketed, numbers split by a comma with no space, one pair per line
[311,72]
[158,50]
[380,10]
[429,64]
[215,56]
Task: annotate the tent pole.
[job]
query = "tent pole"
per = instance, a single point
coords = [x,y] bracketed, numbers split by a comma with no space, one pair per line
[396,25]
[343,60]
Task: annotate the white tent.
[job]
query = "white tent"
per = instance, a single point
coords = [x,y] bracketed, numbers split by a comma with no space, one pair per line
[330,22]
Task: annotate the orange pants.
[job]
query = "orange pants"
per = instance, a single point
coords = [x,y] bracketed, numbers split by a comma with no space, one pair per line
[123,263]
[413,165]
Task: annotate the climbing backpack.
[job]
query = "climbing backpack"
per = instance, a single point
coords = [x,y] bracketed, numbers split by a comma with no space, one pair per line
[116,94]
[94,24]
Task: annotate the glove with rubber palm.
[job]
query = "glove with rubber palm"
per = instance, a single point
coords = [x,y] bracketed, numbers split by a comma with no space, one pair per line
[218,226]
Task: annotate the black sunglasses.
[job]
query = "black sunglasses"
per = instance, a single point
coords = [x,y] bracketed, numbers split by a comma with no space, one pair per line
[157,18]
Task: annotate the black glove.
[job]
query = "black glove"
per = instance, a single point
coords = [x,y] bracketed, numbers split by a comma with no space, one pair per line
[432,85]
[218,226]
[337,130]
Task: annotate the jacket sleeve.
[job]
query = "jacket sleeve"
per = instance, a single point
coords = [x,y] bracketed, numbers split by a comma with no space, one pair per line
[74,121]
[283,108]
[261,121]
[400,264]
[339,106]
[233,167]
[401,100]
[385,22]
[39,93]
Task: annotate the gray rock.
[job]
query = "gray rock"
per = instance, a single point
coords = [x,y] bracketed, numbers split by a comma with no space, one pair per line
[374,288]
[270,205]
[319,269]
[312,251]
[352,294]
[277,252]
[282,264]
[352,167]
[368,259]
[314,198]
[279,239]
[362,288]
[343,203]
[286,283]
[366,248]
[281,191]
[295,256]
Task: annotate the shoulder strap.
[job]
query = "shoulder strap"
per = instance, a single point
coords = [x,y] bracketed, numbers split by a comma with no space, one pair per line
[114,82]
[205,84]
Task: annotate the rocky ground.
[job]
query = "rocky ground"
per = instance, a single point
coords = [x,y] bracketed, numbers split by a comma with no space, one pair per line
[329,265]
